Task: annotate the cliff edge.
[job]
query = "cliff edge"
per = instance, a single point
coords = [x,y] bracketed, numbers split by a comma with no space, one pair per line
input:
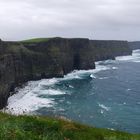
[53,57]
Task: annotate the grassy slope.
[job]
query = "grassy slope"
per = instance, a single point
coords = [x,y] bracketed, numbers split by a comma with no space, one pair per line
[43,128]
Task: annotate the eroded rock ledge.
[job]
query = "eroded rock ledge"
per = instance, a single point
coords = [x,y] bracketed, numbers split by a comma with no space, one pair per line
[53,57]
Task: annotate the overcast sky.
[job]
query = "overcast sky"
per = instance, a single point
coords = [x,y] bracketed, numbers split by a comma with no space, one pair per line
[94,19]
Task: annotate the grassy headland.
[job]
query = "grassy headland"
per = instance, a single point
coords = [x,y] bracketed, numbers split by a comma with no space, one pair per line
[44,128]
[35,40]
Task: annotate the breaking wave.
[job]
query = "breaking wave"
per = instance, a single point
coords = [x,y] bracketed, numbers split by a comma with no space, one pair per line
[135,57]
[30,98]
[91,96]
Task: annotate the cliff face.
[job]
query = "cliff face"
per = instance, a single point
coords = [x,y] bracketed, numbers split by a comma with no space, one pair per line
[15,67]
[24,61]
[64,55]
[109,49]
[134,45]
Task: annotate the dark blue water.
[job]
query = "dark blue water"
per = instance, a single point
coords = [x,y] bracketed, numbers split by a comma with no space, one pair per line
[108,97]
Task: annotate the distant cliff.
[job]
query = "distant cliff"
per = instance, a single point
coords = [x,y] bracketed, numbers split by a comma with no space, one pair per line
[54,57]
[109,49]
[134,45]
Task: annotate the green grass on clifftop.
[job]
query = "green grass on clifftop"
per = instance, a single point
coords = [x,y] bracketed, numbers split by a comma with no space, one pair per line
[43,128]
[36,40]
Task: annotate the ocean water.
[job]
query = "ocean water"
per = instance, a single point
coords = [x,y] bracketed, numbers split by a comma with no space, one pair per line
[107,97]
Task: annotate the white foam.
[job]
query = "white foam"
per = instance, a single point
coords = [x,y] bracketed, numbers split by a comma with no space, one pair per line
[111,129]
[51,92]
[26,103]
[134,58]
[30,98]
[124,58]
[102,111]
[103,78]
[48,82]
[92,76]
[114,68]
[136,61]
[109,61]
[104,107]
[124,103]
[70,86]
[136,51]
[77,74]
[27,99]
[129,89]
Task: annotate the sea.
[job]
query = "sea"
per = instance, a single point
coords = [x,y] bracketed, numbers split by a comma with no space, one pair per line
[105,97]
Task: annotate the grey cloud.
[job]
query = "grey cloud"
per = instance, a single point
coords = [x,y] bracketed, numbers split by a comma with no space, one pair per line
[95,19]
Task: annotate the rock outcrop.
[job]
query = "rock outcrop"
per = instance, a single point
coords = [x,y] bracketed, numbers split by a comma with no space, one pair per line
[36,59]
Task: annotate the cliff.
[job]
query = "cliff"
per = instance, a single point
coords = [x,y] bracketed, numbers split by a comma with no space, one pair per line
[134,45]
[53,57]
[109,49]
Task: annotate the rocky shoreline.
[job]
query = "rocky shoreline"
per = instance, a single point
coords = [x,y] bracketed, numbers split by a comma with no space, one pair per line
[54,57]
